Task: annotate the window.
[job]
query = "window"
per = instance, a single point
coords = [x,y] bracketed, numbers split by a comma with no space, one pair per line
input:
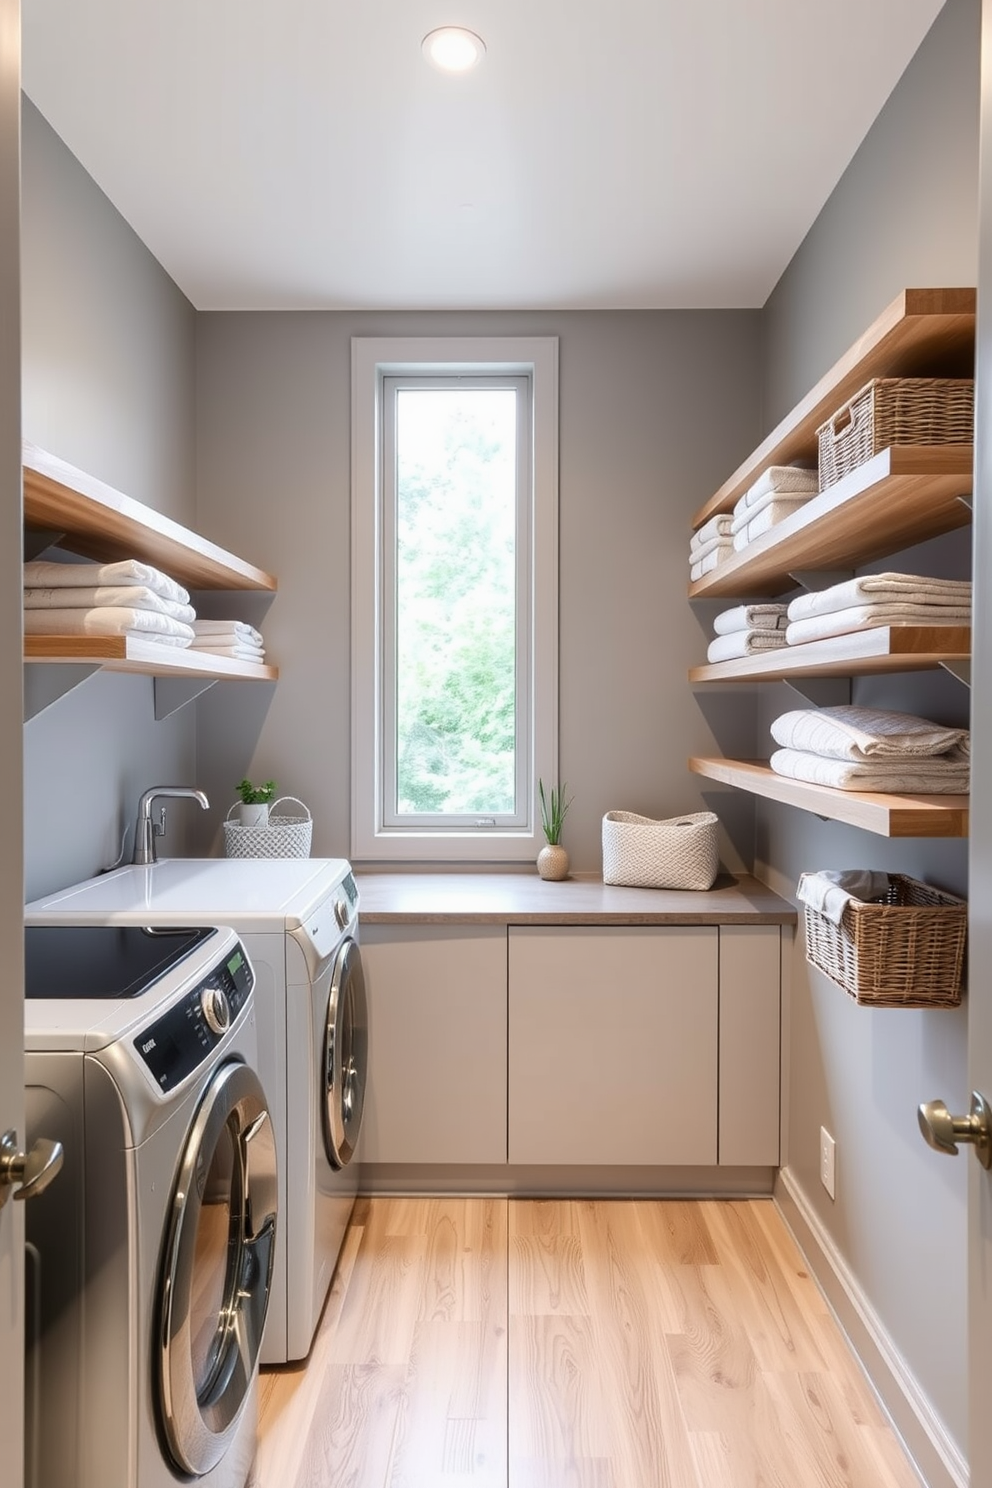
[454,492]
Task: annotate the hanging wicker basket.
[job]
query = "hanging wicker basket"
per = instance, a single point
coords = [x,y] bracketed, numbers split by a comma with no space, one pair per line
[281,837]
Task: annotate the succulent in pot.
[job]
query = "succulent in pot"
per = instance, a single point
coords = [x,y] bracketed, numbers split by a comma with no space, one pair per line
[255,801]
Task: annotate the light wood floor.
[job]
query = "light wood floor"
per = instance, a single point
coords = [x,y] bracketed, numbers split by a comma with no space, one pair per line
[470,1343]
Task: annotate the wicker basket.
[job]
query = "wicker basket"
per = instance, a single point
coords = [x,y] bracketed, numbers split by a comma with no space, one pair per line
[680,853]
[895,410]
[282,837]
[904,951]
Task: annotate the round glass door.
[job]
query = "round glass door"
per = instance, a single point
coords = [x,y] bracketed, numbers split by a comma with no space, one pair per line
[346,1056]
[217,1269]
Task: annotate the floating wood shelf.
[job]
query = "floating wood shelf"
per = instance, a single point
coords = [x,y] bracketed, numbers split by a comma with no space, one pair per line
[895,648]
[887,816]
[93,519]
[132,654]
[923,333]
[904,495]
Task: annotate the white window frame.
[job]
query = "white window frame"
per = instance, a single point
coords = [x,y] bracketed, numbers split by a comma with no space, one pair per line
[373,359]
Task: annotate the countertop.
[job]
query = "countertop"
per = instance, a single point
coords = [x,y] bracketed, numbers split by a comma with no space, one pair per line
[526,899]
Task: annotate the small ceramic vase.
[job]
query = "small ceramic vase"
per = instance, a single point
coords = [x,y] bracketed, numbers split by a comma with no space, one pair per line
[552,862]
[256,816]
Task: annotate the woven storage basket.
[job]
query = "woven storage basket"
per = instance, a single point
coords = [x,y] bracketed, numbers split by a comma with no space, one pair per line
[904,951]
[283,837]
[680,853]
[895,410]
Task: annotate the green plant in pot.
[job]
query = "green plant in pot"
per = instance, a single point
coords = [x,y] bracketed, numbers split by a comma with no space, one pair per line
[255,801]
[552,860]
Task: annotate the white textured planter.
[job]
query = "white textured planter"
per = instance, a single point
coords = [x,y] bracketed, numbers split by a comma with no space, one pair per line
[552,862]
[254,816]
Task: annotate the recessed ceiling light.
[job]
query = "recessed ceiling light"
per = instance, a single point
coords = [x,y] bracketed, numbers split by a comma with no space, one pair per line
[453,49]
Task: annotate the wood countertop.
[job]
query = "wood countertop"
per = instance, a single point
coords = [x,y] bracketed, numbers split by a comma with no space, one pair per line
[525,899]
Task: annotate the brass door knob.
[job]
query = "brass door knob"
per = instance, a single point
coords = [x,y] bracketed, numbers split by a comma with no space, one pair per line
[27,1173]
[943,1131]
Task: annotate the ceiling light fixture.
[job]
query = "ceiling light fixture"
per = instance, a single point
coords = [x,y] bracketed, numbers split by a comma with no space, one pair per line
[453,49]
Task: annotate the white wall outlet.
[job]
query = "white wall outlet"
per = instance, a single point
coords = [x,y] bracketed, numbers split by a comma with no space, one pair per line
[828,1161]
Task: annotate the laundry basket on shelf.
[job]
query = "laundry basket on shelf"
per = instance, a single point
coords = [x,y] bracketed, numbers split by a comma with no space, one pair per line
[282,836]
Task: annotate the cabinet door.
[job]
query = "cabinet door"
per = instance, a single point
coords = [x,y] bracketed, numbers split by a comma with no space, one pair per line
[437,1044]
[613,1044]
[750,996]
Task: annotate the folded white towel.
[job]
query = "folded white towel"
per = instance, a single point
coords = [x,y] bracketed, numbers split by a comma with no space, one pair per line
[852,733]
[714,557]
[108,620]
[930,777]
[745,513]
[43,574]
[239,628]
[133,596]
[718,526]
[776,511]
[831,890]
[869,617]
[715,544]
[744,643]
[222,648]
[793,478]
[750,617]
[887,588]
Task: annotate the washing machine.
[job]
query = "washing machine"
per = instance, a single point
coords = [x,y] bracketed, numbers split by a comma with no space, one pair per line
[149,1257]
[298,920]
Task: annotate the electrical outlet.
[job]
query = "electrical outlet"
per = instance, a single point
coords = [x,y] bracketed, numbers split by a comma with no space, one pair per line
[828,1161]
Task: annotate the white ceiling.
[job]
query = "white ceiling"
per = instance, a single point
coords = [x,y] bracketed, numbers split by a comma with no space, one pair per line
[607,153]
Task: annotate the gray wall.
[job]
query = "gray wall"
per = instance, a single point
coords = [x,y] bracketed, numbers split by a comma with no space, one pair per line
[108,384]
[905,213]
[640,449]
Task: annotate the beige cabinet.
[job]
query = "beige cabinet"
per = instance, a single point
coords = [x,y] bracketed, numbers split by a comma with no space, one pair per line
[750,1044]
[613,1039]
[437,1044]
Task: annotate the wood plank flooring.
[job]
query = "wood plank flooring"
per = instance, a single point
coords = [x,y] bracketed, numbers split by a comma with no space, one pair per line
[494,1343]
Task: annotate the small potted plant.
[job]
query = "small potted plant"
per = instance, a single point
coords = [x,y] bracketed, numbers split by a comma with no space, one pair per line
[552,860]
[255,801]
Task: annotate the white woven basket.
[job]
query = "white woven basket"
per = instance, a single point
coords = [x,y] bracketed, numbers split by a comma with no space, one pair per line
[680,853]
[283,837]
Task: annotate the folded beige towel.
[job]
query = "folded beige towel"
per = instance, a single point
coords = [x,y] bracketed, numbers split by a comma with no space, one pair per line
[848,732]
[743,514]
[768,517]
[715,556]
[868,617]
[744,643]
[132,596]
[111,620]
[43,574]
[718,526]
[751,617]
[930,777]
[792,478]
[885,588]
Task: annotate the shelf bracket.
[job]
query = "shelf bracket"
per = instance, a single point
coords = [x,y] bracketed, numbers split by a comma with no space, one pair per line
[45,684]
[959,667]
[967,501]
[822,692]
[814,579]
[173,693]
[37,539]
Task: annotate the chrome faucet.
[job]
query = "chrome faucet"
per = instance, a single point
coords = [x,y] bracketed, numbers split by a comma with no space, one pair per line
[146,830]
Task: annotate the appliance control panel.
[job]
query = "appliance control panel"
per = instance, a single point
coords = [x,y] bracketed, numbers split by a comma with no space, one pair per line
[177,1043]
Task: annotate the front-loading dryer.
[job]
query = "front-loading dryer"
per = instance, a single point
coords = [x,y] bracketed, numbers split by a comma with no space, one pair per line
[149,1257]
[298,920]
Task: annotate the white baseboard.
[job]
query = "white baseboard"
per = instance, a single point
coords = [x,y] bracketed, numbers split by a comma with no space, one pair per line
[936,1456]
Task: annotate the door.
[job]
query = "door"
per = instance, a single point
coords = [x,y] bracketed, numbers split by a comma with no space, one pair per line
[345,1056]
[11,859]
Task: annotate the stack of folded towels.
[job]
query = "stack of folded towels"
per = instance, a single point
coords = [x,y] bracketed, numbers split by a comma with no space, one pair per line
[710,545]
[775,495]
[878,599]
[871,749]
[234,638]
[128,598]
[746,629]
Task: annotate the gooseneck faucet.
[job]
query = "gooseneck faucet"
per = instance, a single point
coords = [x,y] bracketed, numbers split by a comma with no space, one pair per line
[146,829]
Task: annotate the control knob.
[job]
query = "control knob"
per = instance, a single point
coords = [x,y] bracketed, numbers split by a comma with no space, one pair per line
[342,913]
[216,1009]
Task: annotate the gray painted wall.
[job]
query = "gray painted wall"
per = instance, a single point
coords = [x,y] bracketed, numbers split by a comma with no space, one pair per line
[640,449]
[108,384]
[905,213]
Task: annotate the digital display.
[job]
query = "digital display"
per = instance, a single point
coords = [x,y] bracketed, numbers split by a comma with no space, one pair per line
[235,964]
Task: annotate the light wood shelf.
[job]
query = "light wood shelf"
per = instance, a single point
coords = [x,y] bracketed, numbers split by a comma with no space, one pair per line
[892,648]
[902,496]
[923,332]
[91,518]
[885,815]
[133,654]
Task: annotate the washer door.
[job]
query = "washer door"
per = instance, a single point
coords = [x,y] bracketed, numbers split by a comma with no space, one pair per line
[217,1267]
[346,1055]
